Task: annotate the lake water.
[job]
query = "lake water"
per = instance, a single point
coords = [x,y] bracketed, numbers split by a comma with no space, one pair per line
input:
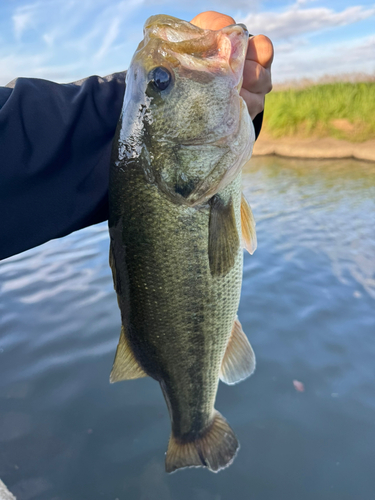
[307,306]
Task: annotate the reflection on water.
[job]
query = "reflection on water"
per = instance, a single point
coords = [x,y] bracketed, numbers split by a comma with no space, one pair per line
[327,207]
[307,306]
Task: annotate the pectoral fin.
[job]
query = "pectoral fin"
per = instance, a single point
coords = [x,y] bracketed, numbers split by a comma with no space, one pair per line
[249,235]
[223,241]
[125,366]
[239,357]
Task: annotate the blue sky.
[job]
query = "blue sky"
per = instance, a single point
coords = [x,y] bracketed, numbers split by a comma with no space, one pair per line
[65,40]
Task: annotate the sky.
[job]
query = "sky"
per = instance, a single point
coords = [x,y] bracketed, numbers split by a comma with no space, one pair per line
[66,40]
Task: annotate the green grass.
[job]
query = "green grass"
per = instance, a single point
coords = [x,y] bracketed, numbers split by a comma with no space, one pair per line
[312,111]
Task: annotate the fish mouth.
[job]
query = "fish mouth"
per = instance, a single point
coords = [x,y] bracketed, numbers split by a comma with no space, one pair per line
[200,49]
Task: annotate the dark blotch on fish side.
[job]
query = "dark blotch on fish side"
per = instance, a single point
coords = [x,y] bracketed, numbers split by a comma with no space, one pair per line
[185,188]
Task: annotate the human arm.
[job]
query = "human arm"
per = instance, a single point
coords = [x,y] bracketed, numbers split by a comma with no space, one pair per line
[55,147]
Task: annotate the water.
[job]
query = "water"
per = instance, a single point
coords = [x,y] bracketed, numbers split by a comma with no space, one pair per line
[308,307]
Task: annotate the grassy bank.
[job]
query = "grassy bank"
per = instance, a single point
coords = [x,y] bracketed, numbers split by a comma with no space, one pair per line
[340,110]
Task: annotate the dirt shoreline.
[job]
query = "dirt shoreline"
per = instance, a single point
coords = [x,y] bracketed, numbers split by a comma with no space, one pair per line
[326,148]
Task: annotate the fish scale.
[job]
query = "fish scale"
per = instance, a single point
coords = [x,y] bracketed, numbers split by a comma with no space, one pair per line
[166,294]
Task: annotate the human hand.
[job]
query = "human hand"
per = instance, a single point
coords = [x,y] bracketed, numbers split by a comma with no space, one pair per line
[257,70]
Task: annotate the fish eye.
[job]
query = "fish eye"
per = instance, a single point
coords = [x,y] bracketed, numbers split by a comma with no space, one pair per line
[161,78]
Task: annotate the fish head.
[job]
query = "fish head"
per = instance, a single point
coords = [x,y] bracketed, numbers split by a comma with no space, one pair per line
[183,119]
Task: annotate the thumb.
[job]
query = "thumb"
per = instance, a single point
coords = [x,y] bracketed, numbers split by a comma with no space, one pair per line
[212,20]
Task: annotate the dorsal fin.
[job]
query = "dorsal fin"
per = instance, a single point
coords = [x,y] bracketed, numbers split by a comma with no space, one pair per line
[223,241]
[125,366]
[249,235]
[239,358]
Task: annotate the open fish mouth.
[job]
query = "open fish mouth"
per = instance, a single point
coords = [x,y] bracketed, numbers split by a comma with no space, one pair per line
[197,48]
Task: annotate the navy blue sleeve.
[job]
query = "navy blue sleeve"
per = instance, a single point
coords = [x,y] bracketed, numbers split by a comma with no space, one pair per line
[55,147]
[257,122]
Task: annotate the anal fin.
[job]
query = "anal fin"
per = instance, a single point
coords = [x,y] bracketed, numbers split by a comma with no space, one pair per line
[125,366]
[223,241]
[249,235]
[239,358]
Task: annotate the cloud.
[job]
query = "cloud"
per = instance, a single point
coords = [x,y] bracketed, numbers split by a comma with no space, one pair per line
[197,6]
[296,57]
[116,16]
[11,66]
[296,20]
[316,61]
[363,51]
[70,39]
[22,19]
[83,37]
[109,38]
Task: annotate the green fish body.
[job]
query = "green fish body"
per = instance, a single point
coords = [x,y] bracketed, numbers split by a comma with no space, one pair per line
[176,219]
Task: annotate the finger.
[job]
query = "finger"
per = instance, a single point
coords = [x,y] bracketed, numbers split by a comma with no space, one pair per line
[260,49]
[212,20]
[254,102]
[256,78]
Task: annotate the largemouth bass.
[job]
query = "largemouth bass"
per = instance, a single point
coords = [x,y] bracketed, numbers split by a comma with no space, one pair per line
[176,219]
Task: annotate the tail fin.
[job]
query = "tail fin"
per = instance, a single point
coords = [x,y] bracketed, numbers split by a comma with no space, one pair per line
[215,448]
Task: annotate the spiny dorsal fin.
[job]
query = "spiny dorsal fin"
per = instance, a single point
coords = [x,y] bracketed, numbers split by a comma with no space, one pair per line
[249,234]
[214,448]
[223,241]
[239,358]
[125,366]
